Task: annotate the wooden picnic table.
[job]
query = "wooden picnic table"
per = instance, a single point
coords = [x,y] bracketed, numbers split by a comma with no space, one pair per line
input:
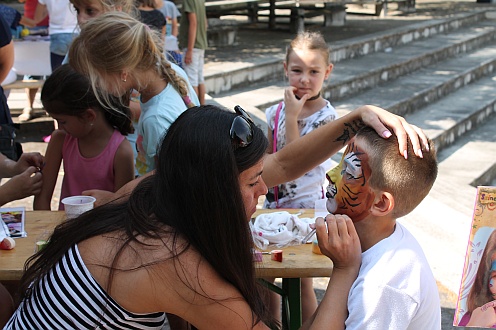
[298,261]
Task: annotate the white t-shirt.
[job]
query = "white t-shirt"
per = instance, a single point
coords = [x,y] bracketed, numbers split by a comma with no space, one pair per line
[62,15]
[170,10]
[395,287]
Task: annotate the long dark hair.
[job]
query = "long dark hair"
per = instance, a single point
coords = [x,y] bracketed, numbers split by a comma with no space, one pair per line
[66,92]
[195,191]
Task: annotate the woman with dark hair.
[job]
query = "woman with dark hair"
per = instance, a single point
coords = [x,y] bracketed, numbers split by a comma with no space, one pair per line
[180,244]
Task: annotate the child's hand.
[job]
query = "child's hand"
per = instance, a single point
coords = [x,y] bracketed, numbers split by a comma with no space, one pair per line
[102,196]
[484,316]
[293,105]
[339,241]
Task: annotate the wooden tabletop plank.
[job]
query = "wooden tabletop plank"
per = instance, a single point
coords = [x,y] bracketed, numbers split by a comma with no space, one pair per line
[38,226]
[298,261]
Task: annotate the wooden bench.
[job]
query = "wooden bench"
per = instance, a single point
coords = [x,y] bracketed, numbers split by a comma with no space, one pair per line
[216,9]
[20,84]
[382,5]
[222,32]
[334,12]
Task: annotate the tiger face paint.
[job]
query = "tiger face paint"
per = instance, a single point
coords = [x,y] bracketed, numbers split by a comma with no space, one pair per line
[349,191]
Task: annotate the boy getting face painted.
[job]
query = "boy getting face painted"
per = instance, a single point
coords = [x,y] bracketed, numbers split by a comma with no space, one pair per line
[374,185]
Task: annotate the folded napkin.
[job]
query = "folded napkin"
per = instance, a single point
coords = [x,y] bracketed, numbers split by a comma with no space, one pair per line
[279,229]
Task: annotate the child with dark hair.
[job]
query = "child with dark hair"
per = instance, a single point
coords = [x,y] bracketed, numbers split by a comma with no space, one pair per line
[387,284]
[90,139]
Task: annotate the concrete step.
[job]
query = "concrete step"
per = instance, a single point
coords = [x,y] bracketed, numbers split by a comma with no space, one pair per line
[449,118]
[223,76]
[352,76]
[441,223]
[362,46]
[408,93]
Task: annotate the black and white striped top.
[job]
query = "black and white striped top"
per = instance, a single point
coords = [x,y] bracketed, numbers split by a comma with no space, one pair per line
[68,297]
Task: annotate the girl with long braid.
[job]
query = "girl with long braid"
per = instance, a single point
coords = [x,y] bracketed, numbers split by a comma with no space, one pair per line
[119,54]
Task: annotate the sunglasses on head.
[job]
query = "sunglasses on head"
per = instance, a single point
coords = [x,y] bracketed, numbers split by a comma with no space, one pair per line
[241,128]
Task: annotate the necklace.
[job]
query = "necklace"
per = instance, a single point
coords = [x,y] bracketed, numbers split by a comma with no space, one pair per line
[313,98]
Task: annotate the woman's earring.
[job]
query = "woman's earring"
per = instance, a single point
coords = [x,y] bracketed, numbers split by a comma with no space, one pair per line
[124,80]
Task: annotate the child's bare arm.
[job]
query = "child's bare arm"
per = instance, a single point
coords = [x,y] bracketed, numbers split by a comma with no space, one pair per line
[53,159]
[123,165]
[103,196]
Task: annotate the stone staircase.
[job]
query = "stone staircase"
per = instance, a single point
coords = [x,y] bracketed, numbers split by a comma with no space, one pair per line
[441,75]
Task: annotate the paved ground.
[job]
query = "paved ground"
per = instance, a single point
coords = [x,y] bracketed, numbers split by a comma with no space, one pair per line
[256,41]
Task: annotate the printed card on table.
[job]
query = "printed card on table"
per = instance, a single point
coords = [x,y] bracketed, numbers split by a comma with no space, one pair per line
[13,219]
[478,285]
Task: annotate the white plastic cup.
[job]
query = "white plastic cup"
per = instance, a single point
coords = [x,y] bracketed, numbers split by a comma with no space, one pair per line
[77,205]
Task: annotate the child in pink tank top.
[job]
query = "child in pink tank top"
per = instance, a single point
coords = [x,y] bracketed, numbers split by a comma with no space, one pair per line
[90,139]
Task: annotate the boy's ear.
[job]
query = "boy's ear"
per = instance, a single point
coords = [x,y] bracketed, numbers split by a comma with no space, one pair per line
[383,204]
[285,68]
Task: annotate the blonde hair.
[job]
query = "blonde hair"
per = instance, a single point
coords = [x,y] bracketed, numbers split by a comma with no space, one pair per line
[311,41]
[116,42]
[126,6]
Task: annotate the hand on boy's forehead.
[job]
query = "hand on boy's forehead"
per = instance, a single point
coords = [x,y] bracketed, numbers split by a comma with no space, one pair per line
[349,191]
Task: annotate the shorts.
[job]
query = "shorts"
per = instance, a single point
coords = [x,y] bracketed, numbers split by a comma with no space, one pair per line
[30,77]
[60,42]
[194,70]
[174,57]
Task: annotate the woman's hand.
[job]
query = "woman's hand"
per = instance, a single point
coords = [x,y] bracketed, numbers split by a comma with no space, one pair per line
[379,118]
[339,241]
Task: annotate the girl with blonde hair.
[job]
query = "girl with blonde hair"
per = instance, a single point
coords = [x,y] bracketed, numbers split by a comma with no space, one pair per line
[118,54]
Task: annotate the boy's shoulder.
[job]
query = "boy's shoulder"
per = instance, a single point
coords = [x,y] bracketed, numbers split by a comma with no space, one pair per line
[395,269]
[401,247]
